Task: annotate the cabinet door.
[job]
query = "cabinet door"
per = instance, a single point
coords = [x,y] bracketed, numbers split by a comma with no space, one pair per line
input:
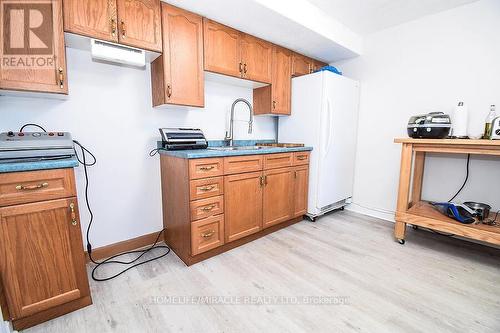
[242,205]
[300,191]
[281,83]
[139,24]
[182,59]
[35,61]
[301,65]
[222,49]
[92,18]
[256,56]
[41,256]
[278,195]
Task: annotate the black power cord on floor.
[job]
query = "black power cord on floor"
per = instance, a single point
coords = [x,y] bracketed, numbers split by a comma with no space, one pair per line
[110,260]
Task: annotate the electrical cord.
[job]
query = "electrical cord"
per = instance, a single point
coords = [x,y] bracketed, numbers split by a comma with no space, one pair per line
[110,260]
[155,151]
[35,125]
[465,181]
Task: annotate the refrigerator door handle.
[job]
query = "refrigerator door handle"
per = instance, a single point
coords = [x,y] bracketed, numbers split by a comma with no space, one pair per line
[329,136]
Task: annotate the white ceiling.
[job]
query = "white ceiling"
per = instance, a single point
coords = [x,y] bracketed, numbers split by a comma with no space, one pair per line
[367,16]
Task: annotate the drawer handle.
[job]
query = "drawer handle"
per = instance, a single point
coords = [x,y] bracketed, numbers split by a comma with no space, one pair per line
[208,234]
[207,188]
[206,168]
[73,213]
[208,208]
[301,158]
[31,187]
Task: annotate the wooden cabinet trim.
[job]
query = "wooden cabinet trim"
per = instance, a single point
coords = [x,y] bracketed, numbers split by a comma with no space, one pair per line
[241,164]
[280,160]
[206,167]
[207,207]
[207,234]
[32,186]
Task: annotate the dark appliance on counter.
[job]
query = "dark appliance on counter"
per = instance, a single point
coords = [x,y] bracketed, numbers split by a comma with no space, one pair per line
[35,146]
[434,125]
[183,138]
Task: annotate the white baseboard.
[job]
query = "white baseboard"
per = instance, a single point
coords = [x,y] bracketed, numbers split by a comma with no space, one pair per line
[373,212]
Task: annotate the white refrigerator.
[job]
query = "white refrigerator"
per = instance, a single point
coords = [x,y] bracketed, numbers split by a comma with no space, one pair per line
[325,116]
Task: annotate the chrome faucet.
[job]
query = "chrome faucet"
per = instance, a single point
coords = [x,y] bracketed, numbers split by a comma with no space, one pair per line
[229,135]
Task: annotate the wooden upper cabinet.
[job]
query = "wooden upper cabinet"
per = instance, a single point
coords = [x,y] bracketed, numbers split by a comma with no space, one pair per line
[41,257]
[300,191]
[51,75]
[139,24]
[301,65]
[276,98]
[256,57]
[242,205]
[222,48]
[177,76]
[278,196]
[92,18]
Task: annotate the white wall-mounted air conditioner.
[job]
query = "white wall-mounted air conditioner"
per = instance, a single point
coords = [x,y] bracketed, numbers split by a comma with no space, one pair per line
[111,52]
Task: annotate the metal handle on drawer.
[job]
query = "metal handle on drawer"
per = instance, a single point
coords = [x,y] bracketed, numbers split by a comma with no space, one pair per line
[301,158]
[73,213]
[208,208]
[245,68]
[208,234]
[207,188]
[124,32]
[113,27]
[261,178]
[274,105]
[207,168]
[31,187]
[169,90]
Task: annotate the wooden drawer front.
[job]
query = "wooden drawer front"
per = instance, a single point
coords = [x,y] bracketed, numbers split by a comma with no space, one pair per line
[205,167]
[273,161]
[240,164]
[207,207]
[31,186]
[207,234]
[301,158]
[206,188]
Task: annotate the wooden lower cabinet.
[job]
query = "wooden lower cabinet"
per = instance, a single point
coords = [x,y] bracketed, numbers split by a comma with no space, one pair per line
[252,196]
[300,190]
[42,262]
[243,205]
[278,196]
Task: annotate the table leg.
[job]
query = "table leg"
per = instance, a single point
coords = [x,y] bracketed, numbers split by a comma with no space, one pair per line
[418,177]
[404,189]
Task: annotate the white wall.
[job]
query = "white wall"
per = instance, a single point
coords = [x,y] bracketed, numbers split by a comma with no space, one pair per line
[426,65]
[109,111]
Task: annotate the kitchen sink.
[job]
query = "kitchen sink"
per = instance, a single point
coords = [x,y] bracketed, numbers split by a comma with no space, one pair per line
[238,148]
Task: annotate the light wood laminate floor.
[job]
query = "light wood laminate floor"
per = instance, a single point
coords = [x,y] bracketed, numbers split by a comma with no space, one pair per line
[431,284]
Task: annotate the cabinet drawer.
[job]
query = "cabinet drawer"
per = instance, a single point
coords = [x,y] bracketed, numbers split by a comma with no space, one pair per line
[207,234]
[207,207]
[241,164]
[205,167]
[31,186]
[301,158]
[206,188]
[273,161]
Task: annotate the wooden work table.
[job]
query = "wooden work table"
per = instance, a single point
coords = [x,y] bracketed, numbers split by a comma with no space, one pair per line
[410,207]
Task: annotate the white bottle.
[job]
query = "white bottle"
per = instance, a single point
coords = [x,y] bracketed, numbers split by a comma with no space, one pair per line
[460,121]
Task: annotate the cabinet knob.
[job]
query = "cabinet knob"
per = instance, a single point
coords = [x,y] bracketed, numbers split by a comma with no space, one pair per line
[113,27]
[73,214]
[31,187]
[169,90]
[208,234]
[124,33]
[60,71]
[241,68]
[274,105]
